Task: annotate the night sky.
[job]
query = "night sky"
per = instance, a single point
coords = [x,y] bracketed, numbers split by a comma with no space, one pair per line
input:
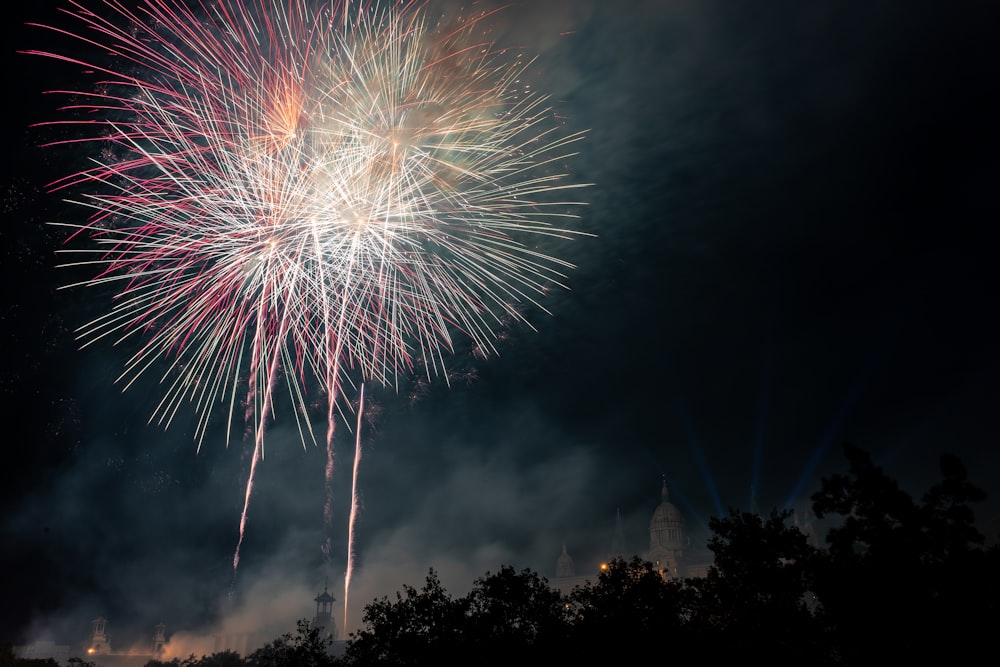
[794,207]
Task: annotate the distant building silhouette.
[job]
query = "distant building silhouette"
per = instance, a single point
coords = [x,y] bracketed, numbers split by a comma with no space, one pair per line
[565,567]
[100,642]
[566,578]
[324,614]
[97,649]
[159,638]
[668,546]
[667,538]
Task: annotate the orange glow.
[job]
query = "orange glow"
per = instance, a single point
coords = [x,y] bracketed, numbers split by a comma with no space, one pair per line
[283,109]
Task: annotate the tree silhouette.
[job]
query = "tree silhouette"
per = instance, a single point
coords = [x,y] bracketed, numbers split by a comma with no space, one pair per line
[755,597]
[902,581]
[306,648]
[511,613]
[898,581]
[219,659]
[630,605]
[417,628]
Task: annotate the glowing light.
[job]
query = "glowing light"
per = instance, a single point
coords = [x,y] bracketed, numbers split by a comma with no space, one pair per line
[286,194]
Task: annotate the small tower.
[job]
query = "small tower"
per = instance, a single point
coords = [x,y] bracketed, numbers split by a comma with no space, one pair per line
[100,642]
[618,541]
[324,614]
[159,638]
[564,564]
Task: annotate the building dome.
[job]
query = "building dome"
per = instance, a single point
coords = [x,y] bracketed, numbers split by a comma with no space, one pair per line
[666,530]
[666,515]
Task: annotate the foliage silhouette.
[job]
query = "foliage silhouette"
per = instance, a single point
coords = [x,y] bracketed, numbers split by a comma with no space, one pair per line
[308,647]
[219,659]
[630,604]
[416,628]
[902,580]
[757,595]
[510,614]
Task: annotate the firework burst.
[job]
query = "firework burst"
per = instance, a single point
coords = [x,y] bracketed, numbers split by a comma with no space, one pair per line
[285,192]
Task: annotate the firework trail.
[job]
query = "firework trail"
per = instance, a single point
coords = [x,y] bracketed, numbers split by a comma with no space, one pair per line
[354,506]
[290,197]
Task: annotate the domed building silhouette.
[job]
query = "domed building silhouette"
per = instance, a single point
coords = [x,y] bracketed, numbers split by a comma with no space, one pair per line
[667,539]
[669,549]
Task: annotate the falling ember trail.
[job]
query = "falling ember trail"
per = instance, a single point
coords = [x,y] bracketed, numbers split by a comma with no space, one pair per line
[354,507]
[258,447]
[333,385]
[258,444]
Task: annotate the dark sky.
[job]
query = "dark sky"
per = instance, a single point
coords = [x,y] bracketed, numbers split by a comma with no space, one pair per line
[794,209]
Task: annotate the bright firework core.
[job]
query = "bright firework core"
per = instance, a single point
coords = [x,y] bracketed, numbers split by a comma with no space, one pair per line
[289,192]
[341,187]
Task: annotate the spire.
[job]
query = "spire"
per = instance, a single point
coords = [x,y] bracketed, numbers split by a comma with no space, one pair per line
[664,494]
[564,564]
[618,541]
